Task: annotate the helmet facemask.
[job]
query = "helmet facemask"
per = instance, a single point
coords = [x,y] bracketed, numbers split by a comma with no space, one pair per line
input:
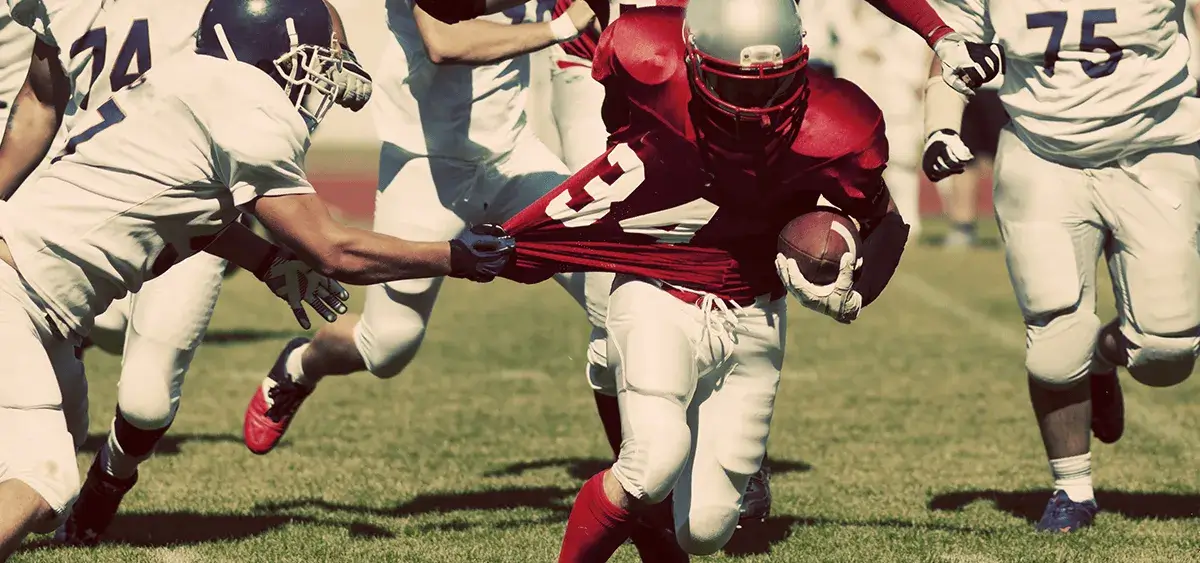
[306,73]
[753,100]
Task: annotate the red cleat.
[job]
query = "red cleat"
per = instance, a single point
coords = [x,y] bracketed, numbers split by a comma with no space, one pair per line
[274,404]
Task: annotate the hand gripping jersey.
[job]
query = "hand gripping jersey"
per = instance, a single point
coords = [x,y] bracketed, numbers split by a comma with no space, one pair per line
[653,206]
[1089,81]
[105,45]
[148,178]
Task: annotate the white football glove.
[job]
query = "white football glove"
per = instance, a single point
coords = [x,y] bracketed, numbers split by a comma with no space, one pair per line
[836,300]
[297,283]
[945,155]
[355,83]
[967,65]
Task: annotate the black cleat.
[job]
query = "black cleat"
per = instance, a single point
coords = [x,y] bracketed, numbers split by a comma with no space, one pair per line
[95,508]
[756,502]
[1063,515]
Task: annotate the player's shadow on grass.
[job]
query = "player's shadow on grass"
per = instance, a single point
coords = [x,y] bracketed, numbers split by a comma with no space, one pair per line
[169,445]
[244,335]
[757,538]
[160,529]
[583,468]
[1029,504]
[557,500]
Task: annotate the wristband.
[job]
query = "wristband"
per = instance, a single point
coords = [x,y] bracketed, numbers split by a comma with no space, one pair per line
[563,29]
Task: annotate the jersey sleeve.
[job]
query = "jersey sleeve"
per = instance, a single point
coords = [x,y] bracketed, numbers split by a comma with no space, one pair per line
[260,151]
[629,211]
[968,17]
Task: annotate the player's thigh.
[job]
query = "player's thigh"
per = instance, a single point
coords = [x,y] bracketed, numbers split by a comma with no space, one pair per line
[422,199]
[36,445]
[174,309]
[652,351]
[1154,208]
[419,199]
[731,416]
[576,105]
[1050,228]
[1052,239]
[521,177]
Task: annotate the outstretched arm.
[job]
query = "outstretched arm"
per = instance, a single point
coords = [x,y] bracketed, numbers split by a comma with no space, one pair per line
[916,15]
[454,11]
[478,42]
[34,119]
[356,256]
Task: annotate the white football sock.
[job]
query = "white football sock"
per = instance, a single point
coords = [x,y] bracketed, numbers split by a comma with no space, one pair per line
[1073,475]
[115,461]
[295,368]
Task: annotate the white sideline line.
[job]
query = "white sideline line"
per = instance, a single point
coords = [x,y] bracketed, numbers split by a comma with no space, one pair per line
[1002,334]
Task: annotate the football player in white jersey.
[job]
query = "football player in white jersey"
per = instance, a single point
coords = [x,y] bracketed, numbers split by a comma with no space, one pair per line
[153,175]
[450,110]
[1101,156]
[106,45]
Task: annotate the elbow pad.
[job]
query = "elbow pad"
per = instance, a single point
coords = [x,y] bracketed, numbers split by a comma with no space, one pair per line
[881,252]
[453,11]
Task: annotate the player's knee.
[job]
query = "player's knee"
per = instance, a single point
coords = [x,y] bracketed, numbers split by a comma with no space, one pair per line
[148,407]
[652,455]
[1059,352]
[1163,361]
[601,379]
[706,529]
[389,352]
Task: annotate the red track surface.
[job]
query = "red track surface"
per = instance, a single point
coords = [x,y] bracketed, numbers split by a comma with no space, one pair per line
[354,195]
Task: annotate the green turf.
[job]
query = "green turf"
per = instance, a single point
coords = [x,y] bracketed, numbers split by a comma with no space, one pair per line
[905,437]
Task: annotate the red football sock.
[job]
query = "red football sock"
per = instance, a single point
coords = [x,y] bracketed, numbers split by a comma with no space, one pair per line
[596,527]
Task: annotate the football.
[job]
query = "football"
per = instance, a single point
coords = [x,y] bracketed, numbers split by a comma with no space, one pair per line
[817,240]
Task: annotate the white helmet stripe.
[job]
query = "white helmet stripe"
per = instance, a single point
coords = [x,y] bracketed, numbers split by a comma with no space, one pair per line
[224,41]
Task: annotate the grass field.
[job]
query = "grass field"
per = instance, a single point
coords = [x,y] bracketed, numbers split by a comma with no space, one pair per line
[905,437]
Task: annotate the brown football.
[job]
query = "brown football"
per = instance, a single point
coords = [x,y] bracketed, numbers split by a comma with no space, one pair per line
[817,240]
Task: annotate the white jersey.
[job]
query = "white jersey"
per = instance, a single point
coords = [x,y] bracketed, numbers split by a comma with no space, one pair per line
[104,45]
[1088,83]
[16,45]
[148,176]
[457,111]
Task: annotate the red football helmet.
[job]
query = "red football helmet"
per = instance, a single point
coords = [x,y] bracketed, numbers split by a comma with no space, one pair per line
[746,61]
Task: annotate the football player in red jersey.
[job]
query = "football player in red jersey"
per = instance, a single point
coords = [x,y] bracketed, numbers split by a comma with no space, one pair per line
[719,138]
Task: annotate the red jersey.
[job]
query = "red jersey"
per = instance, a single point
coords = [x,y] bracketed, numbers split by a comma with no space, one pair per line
[652,205]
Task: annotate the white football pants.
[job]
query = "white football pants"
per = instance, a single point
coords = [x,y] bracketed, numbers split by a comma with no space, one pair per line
[162,325]
[1143,212]
[434,199]
[43,398]
[696,388]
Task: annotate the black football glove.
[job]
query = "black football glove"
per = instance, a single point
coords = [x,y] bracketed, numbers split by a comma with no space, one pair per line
[945,155]
[354,80]
[967,65]
[480,253]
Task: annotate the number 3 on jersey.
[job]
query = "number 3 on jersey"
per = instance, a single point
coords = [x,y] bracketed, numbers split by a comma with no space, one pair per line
[1088,40]
[676,225]
[123,72]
